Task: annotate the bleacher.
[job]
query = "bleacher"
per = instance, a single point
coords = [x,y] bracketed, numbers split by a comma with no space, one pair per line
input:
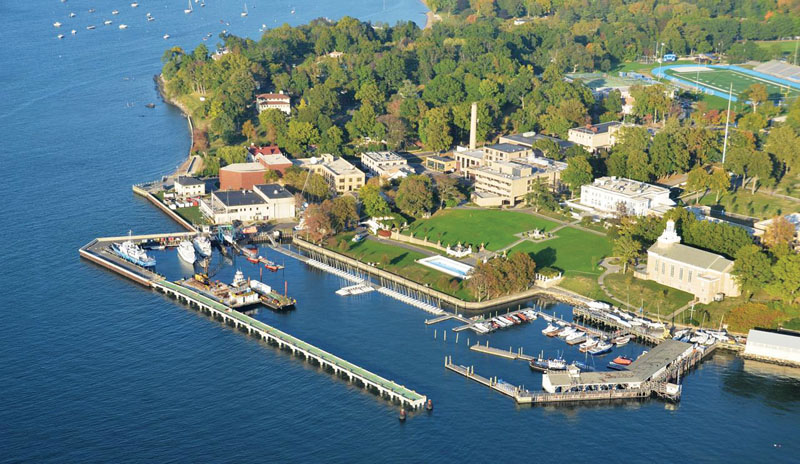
[780,69]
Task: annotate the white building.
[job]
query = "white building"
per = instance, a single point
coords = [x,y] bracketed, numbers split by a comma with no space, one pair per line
[263,203]
[608,195]
[384,163]
[705,275]
[189,187]
[778,346]
[595,136]
[278,101]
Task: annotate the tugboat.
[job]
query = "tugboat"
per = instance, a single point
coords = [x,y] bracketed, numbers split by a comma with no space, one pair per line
[541,365]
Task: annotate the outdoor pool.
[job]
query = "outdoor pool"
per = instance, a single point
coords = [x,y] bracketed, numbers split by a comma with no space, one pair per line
[447,265]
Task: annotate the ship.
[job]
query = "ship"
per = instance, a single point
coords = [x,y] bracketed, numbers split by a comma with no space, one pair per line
[237,295]
[270,298]
[133,253]
[542,365]
[203,245]
[186,252]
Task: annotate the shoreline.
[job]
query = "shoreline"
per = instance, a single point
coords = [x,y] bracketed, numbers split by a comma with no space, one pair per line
[189,162]
[430,17]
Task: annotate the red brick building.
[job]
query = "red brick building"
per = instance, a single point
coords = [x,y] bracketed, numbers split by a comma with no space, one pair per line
[241,176]
[270,157]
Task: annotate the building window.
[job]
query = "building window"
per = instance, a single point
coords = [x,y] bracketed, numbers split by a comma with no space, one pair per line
[672,270]
[690,276]
[662,268]
[680,274]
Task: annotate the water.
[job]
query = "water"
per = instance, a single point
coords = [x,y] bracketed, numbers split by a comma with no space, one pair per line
[94,368]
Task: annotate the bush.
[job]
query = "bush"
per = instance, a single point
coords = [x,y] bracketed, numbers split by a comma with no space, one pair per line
[750,315]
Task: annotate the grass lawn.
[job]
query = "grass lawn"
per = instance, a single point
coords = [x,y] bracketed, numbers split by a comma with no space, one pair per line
[785,46]
[573,251]
[192,214]
[760,205]
[712,314]
[403,262]
[721,79]
[656,299]
[494,228]
[583,285]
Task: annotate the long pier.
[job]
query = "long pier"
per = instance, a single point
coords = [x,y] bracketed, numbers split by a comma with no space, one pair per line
[97,252]
[584,314]
[508,354]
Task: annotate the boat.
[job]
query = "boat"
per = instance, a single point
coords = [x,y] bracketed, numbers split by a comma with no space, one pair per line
[623,340]
[600,348]
[56,24]
[186,252]
[522,316]
[202,244]
[132,252]
[551,330]
[188,10]
[60,36]
[622,360]
[150,18]
[269,297]
[91,10]
[73,32]
[115,12]
[123,26]
[202,4]
[680,334]
[566,332]
[72,15]
[89,28]
[541,365]
[134,5]
[244,13]
[250,251]
[107,22]
[587,345]
[227,237]
[252,260]
[582,366]
[166,36]
[576,337]
[617,367]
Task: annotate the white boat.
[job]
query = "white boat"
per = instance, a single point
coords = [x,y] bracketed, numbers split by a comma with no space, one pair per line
[115,12]
[186,252]
[73,32]
[107,22]
[566,332]
[166,36]
[91,10]
[89,28]
[56,24]
[244,13]
[123,26]
[679,334]
[588,344]
[600,348]
[548,329]
[188,10]
[238,279]
[575,338]
[134,5]
[72,15]
[619,341]
[699,338]
[60,36]
[202,244]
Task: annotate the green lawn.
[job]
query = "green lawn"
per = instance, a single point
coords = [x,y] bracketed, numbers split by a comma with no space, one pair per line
[573,251]
[785,46]
[403,262]
[192,214]
[494,228]
[760,205]
[583,285]
[656,299]
[721,79]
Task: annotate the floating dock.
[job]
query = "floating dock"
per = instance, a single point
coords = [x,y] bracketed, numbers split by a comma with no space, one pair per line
[508,354]
[97,252]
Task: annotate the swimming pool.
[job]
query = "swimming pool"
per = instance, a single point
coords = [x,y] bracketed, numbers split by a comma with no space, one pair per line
[447,265]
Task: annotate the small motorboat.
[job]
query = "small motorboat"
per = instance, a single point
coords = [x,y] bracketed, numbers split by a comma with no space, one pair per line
[600,348]
[582,366]
[623,340]
[107,22]
[576,337]
[622,360]
[588,345]
[551,330]
[72,15]
[73,32]
[91,10]
[60,36]
[566,332]
[90,28]
[150,105]
[166,36]
[252,260]
[115,12]
[429,405]
[402,416]
[123,26]
[134,5]
[56,24]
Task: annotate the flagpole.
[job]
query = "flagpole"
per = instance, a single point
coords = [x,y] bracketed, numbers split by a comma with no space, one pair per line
[727,121]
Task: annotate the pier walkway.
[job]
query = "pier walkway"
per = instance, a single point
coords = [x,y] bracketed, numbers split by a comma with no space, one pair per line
[386,388]
[508,354]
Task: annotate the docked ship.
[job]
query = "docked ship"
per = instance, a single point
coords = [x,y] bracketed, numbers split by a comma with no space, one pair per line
[132,252]
[541,365]
[236,295]
[270,298]
[203,245]
[186,252]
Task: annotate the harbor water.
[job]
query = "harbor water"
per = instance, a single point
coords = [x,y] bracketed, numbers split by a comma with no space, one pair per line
[94,368]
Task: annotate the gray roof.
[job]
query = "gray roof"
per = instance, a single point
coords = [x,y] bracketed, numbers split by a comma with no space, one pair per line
[527,139]
[597,128]
[780,338]
[183,180]
[691,256]
[507,147]
[273,191]
[238,198]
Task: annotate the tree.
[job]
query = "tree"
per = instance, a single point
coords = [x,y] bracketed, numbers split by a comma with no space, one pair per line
[249,130]
[759,166]
[698,179]
[719,182]
[318,221]
[779,235]
[231,155]
[540,196]
[414,196]
[628,250]
[639,167]
[271,176]
[447,190]
[317,187]
[756,94]
[751,269]
[372,201]
[332,140]
[786,281]
[435,130]
[343,212]
[300,136]
[782,143]
[273,123]
[577,173]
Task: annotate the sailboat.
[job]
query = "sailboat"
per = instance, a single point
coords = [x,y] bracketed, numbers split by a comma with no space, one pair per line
[188,10]
[244,13]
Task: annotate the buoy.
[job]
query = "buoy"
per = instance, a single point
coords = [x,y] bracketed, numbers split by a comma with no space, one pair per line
[402,415]
[429,405]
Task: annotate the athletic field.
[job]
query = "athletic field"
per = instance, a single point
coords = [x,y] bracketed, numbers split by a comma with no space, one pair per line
[720,80]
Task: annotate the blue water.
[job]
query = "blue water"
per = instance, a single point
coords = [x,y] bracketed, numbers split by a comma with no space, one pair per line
[96,369]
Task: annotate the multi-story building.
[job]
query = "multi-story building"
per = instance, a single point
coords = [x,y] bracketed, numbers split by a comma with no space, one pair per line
[467,159]
[338,172]
[705,275]
[505,152]
[383,163]
[240,176]
[265,202]
[189,187]
[608,196]
[528,139]
[440,163]
[506,183]
[595,136]
[278,101]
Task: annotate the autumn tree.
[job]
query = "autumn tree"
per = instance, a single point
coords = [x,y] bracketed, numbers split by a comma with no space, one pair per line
[249,130]
[344,214]
[697,180]
[756,94]
[414,195]
[447,190]
[318,221]
[719,182]
[779,235]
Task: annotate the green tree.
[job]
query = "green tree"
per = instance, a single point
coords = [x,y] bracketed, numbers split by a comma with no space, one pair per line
[628,250]
[299,136]
[372,201]
[756,94]
[577,173]
[332,140]
[751,269]
[344,214]
[414,196]
[638,166]
[697,180]
[231,155]
[540,196]
[435,130]
[271,176]
[782,143]
[786,281]
[719,182]
[274,125]
[447,190]
[317,188]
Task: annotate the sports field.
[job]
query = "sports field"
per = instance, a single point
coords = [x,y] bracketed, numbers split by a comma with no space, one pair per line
[720,79]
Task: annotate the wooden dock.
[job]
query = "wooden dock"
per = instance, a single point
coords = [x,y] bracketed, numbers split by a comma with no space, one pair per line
[508,354]
[584,314]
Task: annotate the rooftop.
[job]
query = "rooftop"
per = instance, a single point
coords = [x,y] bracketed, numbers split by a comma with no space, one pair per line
[266,150]
[273,96]
[382,156]
[231,198]
[475,154]
[186,181]
[243,167]
[597,128]
[273,159]
[507,147]
[527,139]
[273,191]
[444,159]
[628,187]
[692,256]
